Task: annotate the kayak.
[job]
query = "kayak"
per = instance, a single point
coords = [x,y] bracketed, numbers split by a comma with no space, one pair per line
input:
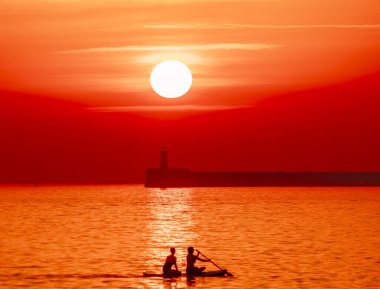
[173,275]
[217,273]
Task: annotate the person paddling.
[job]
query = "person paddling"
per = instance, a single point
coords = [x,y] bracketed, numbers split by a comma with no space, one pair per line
[170,261]
[191,270]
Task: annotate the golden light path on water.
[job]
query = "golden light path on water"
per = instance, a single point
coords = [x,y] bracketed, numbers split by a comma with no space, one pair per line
[171,225]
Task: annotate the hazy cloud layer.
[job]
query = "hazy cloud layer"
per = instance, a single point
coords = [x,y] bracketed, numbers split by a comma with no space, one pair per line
[259,26]
[195,47]
[149,108]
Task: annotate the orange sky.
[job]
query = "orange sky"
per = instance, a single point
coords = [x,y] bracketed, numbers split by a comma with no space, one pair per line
[57,56]
[75,48]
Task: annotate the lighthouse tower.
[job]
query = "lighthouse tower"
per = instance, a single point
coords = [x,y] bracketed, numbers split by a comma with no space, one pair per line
[164,158]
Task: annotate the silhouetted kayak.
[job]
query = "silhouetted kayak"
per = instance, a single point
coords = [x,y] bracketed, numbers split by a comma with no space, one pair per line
[173,275]
[217,273]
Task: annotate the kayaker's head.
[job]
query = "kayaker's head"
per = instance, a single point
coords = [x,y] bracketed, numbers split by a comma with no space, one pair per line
[172,250]
[190,250]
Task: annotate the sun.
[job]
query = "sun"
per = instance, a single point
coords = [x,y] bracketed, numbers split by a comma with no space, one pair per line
[171,79]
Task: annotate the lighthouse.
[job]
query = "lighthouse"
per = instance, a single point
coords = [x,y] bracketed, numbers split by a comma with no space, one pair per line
[164,158]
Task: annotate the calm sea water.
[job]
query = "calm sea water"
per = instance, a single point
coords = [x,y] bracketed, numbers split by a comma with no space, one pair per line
[106,236]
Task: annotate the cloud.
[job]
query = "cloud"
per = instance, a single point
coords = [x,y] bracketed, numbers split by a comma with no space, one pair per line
[165,48]
[262,26]
[147,1]
[173,108]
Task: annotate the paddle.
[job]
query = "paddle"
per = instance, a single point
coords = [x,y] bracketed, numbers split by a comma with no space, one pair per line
[228,273]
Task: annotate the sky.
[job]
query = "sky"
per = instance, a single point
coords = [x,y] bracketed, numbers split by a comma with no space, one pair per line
[284,85]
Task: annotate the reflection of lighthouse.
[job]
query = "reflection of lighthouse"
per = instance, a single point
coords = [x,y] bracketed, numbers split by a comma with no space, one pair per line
[164,158]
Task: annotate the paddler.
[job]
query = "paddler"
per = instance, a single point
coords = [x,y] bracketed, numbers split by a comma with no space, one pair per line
[171,261]
[191,270]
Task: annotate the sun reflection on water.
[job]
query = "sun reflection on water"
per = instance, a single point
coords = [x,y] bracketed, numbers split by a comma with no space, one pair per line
[171,225]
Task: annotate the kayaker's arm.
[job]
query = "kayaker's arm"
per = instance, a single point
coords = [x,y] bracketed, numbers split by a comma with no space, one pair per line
[203,260]
[175,265]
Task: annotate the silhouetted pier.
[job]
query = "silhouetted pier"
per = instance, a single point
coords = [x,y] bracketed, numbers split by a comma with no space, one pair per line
[165,177]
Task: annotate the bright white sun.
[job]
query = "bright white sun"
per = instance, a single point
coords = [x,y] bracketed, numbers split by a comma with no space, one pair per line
[171,79]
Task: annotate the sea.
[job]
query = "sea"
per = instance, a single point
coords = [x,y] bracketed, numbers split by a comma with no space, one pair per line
[106,236]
